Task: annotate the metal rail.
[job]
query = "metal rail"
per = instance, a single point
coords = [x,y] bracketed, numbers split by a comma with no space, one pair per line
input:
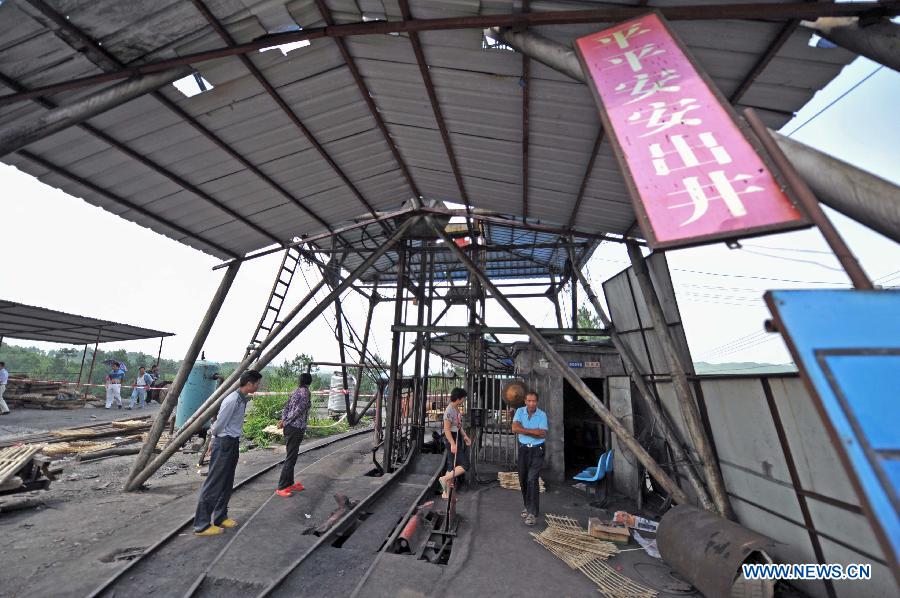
[329,536]
[174,532]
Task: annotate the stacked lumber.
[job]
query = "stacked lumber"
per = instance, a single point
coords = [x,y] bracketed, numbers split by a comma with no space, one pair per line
[510,480]
[30,394]
[85,432]
[571,543]
[14,458]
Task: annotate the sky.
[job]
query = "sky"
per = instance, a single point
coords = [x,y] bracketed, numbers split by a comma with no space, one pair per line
[59,252]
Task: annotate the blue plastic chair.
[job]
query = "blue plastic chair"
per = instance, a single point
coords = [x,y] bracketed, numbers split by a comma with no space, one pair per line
[594,475]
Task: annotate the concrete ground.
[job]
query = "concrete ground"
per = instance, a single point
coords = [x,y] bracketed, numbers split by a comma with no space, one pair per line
[28,421]
[494,554]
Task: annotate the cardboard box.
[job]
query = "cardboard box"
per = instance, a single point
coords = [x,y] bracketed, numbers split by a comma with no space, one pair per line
[608,530]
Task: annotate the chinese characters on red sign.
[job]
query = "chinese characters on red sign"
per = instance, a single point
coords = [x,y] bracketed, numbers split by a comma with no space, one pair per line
[694,176]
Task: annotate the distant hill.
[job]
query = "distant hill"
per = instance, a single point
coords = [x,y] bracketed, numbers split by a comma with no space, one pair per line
[744,367]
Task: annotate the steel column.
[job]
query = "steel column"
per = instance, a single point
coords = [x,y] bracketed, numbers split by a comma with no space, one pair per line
[80,369]
[632,367]
[190,356]
[93,359]
[572,378]
[396,373]
[365,344]
[689,410]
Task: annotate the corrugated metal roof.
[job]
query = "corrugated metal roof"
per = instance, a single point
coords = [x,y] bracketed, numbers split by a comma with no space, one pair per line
[41,324]
[479,91]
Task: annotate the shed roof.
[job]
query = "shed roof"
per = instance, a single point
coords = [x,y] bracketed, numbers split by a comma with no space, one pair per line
[41,324]
[231,170]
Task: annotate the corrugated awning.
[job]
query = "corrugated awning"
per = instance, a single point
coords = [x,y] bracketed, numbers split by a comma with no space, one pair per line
[42,324]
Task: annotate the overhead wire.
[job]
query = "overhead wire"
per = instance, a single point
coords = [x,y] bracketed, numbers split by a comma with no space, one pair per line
[835,101]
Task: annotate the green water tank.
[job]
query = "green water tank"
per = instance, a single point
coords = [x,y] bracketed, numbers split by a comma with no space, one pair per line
[201,383]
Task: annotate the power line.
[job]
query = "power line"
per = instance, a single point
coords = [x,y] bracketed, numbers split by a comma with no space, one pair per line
[792,259]
[835,101]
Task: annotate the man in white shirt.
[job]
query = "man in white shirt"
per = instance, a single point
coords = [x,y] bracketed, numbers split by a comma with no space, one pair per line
[4,378]
[139,388]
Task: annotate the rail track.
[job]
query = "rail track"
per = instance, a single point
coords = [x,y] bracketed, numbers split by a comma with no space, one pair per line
[108,586]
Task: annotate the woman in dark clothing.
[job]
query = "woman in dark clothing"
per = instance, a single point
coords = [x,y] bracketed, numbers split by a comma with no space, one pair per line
[457,452]
[293,422]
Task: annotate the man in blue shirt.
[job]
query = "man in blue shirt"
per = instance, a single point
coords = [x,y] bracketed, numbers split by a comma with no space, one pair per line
[530,425]
[212,506]
[114,385]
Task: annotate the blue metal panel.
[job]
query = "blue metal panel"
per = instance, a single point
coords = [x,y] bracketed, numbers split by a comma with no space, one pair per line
[847,345]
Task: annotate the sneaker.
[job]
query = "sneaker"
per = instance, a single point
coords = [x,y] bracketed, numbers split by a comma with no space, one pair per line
[285,492]
[212,530]
[298,487]
[524,513]
[529,520]
[229,523]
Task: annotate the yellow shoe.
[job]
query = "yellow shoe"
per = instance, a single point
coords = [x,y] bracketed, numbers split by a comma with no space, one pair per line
[229,523]
[212,530]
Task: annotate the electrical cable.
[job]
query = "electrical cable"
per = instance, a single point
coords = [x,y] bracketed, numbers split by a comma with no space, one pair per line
[835,101]
[791,259]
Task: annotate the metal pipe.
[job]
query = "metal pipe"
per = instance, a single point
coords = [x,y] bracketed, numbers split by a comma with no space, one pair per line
[478,329]
[866,198]
[80,369]
[200,418]
[93,359]
[809,204]
[689,410]
[849,190]
[649,400]
[19,135]
[572,378]
[190,356]
[365,343]
[878,41]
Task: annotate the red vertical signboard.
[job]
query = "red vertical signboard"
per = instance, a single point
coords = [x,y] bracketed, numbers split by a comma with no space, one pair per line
[693,173]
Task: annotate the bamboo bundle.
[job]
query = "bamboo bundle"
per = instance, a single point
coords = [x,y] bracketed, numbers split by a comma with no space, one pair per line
[612,584]
[75,446]
[13,458]
[564,523]
[580,542]
[510,480]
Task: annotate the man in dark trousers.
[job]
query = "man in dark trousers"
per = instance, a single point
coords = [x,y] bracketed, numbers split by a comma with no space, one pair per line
[212,506]
[530,423]
[293,422]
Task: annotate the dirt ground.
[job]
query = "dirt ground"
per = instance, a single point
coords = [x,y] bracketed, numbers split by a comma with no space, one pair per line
[85,509]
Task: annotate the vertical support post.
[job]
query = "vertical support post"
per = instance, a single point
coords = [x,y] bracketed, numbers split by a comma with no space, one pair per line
[190,356]
[418,405]
[555,298]
[570,376]
[810,204]
[159,353]
[395,371]
[80,369]
[373,301]
[339,331]
[574,299]
[93,359]
[689,409]
[632,368]
[426,379]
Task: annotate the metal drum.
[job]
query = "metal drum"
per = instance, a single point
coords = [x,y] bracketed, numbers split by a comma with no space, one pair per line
[201,383]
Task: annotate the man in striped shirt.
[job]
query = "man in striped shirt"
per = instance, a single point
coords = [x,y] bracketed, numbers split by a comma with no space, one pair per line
[293,422]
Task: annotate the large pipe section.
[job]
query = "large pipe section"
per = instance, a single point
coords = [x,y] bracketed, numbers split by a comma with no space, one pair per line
[854,192]
[878,41]
[17,136]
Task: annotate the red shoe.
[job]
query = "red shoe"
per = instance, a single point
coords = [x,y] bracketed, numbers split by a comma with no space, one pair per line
[285,492]
[297,487]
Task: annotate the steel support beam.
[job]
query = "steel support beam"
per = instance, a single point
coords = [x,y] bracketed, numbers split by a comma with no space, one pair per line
[559,364]
[632,367]
[878,41]
[19,135]
[689,410]
[190,356]
[476,329]
[395,374]
[206,410]
[783,36]
[609,14]
[365,344]
[866,198]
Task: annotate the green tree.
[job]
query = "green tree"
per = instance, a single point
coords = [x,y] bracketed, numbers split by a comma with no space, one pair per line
[588,319]
[292,368]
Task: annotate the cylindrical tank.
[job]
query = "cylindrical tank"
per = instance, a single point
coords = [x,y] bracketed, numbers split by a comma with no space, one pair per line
[336,402]
[201,383]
